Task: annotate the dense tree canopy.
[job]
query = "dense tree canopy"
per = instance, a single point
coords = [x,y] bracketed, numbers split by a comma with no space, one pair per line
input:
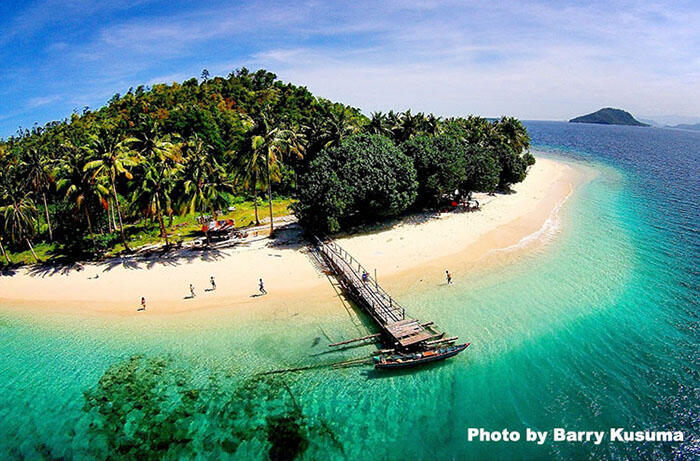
[440,163]
[198,146]
[366,177]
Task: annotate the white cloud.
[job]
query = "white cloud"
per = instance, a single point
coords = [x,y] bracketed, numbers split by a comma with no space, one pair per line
[39,101]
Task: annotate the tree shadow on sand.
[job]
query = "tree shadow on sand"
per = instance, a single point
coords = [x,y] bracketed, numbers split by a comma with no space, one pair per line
[8,271]
[289,237]
[169,258]
[62,266]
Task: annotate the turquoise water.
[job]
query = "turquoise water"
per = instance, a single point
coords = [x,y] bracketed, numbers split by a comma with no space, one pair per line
[596,329]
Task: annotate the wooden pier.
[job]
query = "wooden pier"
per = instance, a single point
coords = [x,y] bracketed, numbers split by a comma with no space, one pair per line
[400,332]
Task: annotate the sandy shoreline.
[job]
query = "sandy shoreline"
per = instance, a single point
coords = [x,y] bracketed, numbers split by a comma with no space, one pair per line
[404,254]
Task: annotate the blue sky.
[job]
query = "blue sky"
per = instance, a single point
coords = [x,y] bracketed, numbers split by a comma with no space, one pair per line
[534,60]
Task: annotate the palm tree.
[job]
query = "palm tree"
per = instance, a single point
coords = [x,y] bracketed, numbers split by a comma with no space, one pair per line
[18,216]
[338,126]
[274,143]
[408,126]
[113,157]
[38,174]
[80,187]
[162,163]
[379,124]
[101,184]
[514,133]
[252,165]
[431,125]
[393,122]
[478,130]
[3,186]
[4,254]
[204,179]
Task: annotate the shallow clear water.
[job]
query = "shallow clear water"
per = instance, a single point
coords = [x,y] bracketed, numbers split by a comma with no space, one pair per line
[596,329]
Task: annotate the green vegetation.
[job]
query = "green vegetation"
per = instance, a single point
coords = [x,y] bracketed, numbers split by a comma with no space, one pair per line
[410,161]
[146,233]
[142,168]
[609,116]
[439,163]
[365,177]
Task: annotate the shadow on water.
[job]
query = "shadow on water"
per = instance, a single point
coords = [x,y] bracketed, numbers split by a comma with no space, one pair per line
[347,347]
[373,373]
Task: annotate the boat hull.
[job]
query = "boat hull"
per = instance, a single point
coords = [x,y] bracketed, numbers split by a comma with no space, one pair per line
[413,362]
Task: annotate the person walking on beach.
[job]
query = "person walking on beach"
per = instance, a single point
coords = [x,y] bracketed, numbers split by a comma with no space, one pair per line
[213,283]
[192,290]
[449,277]
[143,304]
[262,287]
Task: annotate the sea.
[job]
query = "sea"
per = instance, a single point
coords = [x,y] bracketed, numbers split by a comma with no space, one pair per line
[594,329]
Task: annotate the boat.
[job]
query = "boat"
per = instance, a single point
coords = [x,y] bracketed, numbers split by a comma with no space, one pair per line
[223,225]
[383,362]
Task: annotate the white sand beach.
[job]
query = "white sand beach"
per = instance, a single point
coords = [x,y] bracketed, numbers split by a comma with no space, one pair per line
[403,253]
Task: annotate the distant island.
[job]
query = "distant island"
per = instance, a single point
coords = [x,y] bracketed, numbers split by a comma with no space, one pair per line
[609,116]
[686,126]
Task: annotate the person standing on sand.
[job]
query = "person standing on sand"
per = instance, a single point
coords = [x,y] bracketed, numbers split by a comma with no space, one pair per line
[192,290]
[449,277]
[213,283]
[143,303]
[262,287]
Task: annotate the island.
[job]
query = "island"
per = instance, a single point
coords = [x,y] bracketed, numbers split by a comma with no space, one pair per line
[609,116]
[193,164]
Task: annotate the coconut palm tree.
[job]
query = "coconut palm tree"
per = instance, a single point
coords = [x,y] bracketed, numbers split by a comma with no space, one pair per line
[204,180]
[37,170]
[338,126]
[379,124]
[478,131]
[274,143]
[161,162]
[393,121]
[514,133]
[114,156]
[18,216]
[3,186]
[4,254]
[431,125]
[81,187]
[408,126]
[251,168]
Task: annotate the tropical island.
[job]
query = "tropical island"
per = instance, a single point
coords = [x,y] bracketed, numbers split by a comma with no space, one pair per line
[609,116]
[155,163]
[123,189]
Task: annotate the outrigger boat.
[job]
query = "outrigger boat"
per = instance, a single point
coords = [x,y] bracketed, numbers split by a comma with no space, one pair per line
[418,358]
[412,342]
[223,225]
